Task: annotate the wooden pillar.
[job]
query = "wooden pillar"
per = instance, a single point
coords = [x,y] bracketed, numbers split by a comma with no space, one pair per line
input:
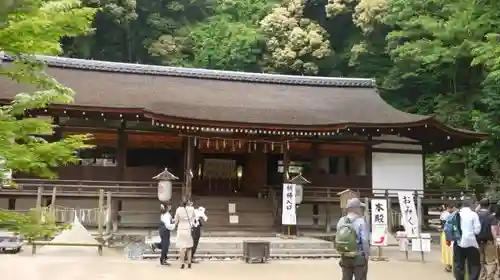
[188,171]
[368,165]
[100,215]
[425,207]
[53,201]
[39,197]
[121,153]
[109,213]
[286,163]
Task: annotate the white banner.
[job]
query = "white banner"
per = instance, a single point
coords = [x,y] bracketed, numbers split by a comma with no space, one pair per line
[408,213]
[288,212]
[379,222]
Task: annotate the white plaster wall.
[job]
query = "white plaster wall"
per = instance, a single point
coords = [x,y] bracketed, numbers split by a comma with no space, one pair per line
[397,172]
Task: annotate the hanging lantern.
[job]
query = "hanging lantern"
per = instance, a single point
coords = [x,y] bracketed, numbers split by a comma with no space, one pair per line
[165,179]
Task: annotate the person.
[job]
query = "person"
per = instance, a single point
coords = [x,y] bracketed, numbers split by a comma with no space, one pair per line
[486,241]
[200,218]
[184,217]
[352,241]
[466,247]
[446,248]
[166,226]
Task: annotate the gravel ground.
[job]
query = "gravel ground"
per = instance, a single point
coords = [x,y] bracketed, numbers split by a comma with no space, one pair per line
[85,266]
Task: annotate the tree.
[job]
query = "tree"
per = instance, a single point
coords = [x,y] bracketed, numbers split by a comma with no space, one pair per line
[230,39]
[31,27]
[295,44]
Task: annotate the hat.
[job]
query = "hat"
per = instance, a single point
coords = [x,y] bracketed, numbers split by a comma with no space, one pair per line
[355,203]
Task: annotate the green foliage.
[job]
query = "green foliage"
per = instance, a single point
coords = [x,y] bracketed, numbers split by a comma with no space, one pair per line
[38,223]
[430,57]
[28,28]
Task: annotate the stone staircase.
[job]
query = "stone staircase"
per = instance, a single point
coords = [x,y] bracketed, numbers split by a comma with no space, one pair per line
[232,247]
[254,214]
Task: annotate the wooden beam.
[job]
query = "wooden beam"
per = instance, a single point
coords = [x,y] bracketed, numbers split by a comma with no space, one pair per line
[189,156]
[121,155]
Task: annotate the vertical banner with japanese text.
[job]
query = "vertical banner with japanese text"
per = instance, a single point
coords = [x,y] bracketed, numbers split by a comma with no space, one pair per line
[379,222]
[408,213]
[288,212]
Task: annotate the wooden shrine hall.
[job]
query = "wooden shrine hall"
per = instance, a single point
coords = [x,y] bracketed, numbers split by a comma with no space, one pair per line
[233,133]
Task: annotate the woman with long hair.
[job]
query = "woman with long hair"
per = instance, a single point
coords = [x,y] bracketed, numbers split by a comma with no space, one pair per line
[184,217]
[166,226]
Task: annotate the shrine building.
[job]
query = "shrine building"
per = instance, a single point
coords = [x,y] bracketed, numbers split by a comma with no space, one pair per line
[229,136]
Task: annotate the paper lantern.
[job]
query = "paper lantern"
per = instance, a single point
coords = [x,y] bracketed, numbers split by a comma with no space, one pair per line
[165,185]
[164,190]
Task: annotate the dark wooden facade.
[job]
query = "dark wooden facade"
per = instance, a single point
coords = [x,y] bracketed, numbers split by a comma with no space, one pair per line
[178,117]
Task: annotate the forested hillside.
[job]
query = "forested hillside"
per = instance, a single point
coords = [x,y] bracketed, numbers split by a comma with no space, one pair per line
[428,56]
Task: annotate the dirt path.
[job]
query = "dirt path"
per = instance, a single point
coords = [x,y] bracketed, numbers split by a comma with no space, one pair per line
[26,267]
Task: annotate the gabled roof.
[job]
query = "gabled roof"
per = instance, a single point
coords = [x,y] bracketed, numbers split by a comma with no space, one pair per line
[228,98]
[224,96]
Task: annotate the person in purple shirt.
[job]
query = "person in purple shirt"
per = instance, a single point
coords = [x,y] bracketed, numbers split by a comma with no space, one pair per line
[357,266]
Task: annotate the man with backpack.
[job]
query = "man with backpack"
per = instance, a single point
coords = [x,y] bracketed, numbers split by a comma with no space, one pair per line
[352,242]
[486,240]
[461,228]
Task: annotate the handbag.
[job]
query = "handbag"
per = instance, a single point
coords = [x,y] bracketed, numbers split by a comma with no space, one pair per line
[189,221]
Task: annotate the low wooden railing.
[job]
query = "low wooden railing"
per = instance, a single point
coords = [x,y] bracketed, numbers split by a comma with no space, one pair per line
[312,194]
[85,188]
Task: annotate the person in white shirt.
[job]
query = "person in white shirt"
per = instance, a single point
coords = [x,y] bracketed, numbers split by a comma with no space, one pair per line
[166,226]
[466,250]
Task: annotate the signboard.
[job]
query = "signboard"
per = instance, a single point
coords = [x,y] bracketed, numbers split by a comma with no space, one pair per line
[232,208]
[288,212]
[379,222]
[408,214]
[422,244]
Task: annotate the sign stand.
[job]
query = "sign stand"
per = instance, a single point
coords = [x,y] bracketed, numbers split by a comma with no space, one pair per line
[379,256]
[379,219]
[288,212]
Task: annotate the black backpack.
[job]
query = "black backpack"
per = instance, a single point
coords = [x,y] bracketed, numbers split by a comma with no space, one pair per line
[486,220]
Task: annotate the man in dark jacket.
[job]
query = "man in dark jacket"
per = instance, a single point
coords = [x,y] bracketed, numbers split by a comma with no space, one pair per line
[486,241]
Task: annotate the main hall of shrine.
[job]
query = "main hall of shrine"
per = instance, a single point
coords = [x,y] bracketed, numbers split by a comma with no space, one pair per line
[233,133]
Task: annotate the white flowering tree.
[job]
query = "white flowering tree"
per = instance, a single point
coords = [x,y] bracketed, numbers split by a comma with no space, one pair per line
[366,14]
[294,44]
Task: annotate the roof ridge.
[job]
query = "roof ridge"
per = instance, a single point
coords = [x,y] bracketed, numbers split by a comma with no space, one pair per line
[121,67]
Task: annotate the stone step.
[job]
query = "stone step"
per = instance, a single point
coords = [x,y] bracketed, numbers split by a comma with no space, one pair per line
[227,243]
[228,257]
[201,251]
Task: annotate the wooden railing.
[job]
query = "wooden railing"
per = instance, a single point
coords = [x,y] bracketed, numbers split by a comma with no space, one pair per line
[85,188]
[312,194]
